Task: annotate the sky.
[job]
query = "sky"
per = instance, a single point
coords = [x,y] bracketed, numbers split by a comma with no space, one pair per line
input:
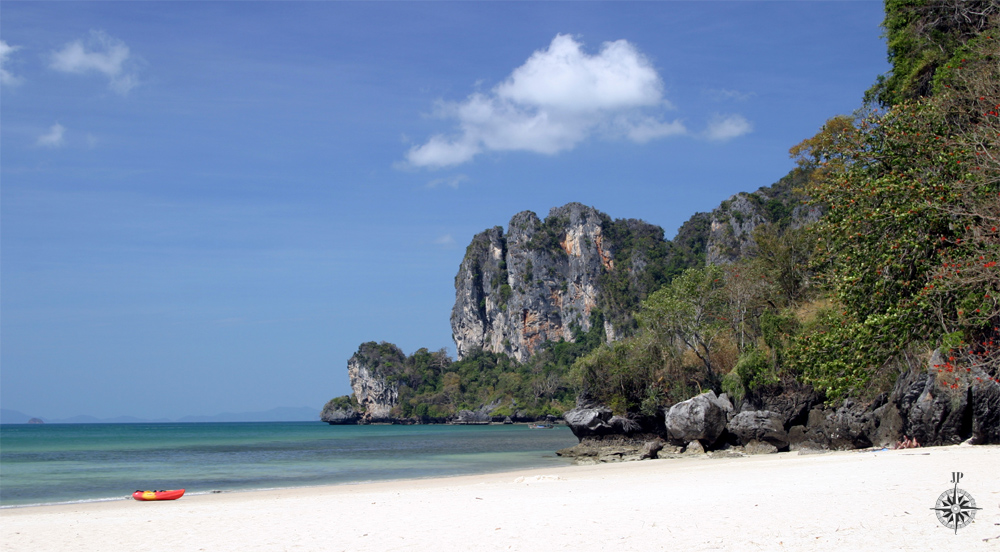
[208,206]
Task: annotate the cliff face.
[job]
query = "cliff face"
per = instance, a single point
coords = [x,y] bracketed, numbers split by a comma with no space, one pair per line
[730,234]
[371,372]
[547,281]
[339,411]
[542,279]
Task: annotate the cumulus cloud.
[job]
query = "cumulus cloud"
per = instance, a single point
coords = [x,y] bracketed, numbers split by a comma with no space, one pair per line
[6,77]
[101,54]
[722,128]
[559,97]
[54,138]
[564,77]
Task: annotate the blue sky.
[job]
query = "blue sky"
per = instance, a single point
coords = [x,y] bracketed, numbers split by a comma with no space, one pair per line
[207,207]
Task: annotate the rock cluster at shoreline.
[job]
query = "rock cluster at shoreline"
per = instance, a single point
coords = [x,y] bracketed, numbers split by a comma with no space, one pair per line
[917,410]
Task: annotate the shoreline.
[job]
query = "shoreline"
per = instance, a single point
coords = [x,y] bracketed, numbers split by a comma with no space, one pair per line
[568,463]
[880,499]
[222,457]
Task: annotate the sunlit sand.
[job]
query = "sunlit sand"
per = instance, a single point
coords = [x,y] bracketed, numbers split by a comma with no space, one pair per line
[862,500]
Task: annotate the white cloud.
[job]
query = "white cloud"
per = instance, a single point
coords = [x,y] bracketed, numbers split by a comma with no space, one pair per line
[102,54]
[559,97]
[644,130]
[452,182]
[6,77]
[445,241]
[54,138]
[439,152]
[565,78]
[725,128]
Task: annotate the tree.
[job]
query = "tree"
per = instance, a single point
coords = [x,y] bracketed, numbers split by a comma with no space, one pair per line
[745,293]
[969,274]
[627,375]
[784,258]
[909,235]
[688,310]
[923,36]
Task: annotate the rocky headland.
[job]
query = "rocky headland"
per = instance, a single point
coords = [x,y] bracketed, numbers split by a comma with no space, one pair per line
[516,292]
[919,411]
[543,281]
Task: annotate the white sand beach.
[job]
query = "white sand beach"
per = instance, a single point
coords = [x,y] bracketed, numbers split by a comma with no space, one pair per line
[878,500]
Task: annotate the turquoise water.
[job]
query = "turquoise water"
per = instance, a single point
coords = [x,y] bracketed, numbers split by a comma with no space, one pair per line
[42,464]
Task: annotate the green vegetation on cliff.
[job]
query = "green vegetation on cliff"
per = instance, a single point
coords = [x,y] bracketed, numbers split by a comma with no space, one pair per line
[714,327]
[910,243]
[433,388]
[925,37]
[905,260]
[642,264]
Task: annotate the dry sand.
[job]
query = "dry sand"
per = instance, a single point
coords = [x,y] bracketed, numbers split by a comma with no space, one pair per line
[833,501]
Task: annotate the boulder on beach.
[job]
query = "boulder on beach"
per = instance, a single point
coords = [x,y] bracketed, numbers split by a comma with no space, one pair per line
[702,417]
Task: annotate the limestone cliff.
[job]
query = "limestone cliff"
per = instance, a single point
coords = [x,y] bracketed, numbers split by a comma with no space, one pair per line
[371,371]
[730,234]
[541,280]
[340,411]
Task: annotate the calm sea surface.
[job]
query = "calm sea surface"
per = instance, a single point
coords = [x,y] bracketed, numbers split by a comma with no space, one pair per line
[42,464]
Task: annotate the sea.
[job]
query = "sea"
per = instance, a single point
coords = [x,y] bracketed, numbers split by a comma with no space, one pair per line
[68,463]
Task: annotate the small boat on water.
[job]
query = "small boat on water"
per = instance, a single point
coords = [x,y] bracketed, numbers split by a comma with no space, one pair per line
[158,495]
[540,426]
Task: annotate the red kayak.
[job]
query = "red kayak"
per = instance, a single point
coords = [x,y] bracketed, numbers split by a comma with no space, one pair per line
[158,495]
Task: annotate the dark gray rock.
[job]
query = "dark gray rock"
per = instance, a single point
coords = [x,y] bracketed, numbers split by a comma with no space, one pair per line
[792,404]
[888,426]
[694,447]
[702,417]
[932,413]
[796,436]
[799,438]
[651,448]
[849,426]
[918,407]
[589,420]
[812,435]
[852,425]
[759,425]
[339,416]
[985,412]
